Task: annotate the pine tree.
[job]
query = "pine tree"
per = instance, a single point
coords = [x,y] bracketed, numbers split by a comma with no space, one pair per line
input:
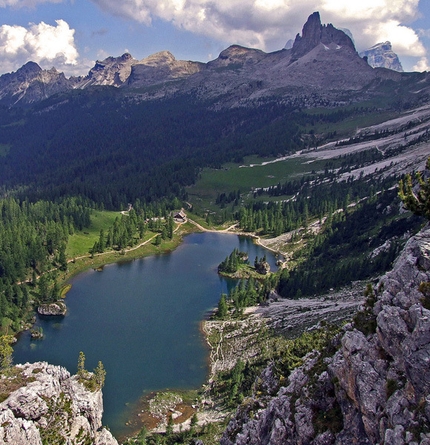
[419,202]
[62,257]
[102,242]
[222,307]
[81,364]
[100,375]
[6,351]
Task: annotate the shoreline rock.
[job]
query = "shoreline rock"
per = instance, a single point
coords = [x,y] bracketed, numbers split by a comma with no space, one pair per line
[57,309]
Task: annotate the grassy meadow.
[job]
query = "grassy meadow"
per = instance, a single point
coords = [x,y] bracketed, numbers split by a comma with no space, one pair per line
[81,242]
[253,173]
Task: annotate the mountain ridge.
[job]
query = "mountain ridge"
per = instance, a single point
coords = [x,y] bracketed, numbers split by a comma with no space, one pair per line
[322,62]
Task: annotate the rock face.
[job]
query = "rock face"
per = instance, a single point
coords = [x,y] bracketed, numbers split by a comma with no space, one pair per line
[382,55]
[31,84]
[159,68]
[47,405]
[375,389]
[314,34]
[112,71]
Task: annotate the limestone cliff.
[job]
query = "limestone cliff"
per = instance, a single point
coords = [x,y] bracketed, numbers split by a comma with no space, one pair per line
[110,71]
[382,55]
[31,84]
[44,404]
[375,389]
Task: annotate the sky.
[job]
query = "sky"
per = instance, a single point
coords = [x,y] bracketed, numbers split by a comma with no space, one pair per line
[72,34]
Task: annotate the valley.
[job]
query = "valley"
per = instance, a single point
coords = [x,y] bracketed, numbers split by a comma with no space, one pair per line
[302,150]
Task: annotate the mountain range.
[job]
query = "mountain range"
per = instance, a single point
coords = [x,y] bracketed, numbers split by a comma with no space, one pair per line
[321,66]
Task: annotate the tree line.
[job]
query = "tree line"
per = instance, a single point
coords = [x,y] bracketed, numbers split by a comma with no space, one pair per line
[33,239]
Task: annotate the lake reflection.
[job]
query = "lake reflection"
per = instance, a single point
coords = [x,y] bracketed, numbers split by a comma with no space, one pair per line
[141,319]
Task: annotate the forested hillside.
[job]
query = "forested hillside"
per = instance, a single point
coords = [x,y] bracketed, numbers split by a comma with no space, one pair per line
[33,238]
[100,149]
[100,146]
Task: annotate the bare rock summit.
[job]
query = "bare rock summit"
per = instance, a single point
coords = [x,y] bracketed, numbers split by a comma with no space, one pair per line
[382,55]
[314,34]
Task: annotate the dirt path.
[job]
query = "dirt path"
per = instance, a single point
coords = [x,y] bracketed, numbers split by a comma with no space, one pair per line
[203,229]
[125,250]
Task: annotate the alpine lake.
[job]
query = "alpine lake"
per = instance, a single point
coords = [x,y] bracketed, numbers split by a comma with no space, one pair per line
[142,320]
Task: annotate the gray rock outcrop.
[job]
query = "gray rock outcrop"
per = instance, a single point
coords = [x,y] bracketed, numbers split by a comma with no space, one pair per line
[112,71]
[58,308]
[31,84]
[375,389]
[382,55]
[45,404]
[159,68]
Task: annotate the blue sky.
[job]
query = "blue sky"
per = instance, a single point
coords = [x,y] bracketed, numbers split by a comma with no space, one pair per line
[72,34]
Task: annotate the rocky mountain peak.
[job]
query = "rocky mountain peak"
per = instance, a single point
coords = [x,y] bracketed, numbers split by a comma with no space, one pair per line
[237,55]
[382,55]
[314,33]
[234,51]
[323,59]
[110,71]
[31,83]
[160,58]
[159,68]
[29,69]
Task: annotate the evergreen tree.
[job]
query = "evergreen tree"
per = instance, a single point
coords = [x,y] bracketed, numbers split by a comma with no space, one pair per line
[222,307]
[419,202]
[100,375]
[81,364]
[62,259]
[102,242]
[6,351]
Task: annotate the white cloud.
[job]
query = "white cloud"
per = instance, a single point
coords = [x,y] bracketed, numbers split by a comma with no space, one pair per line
[41,43]
[404,39]
[268,24]
[422,65]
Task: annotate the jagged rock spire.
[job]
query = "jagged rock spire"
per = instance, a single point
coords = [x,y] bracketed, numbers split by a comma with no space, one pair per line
[314,33]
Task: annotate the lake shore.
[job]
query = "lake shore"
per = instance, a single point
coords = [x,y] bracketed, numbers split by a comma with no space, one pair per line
[207,410]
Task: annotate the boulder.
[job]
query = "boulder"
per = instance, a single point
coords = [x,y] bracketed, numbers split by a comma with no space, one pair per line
[58,308]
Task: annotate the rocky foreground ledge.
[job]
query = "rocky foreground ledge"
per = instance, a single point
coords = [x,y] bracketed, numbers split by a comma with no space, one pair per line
[373,388]
[44,404]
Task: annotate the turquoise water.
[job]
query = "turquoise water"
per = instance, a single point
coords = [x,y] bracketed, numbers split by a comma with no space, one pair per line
[141,319]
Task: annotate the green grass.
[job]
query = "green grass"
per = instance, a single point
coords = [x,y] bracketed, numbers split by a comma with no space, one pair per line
[85,261]
[350,125]
[81,242]
[233,177]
